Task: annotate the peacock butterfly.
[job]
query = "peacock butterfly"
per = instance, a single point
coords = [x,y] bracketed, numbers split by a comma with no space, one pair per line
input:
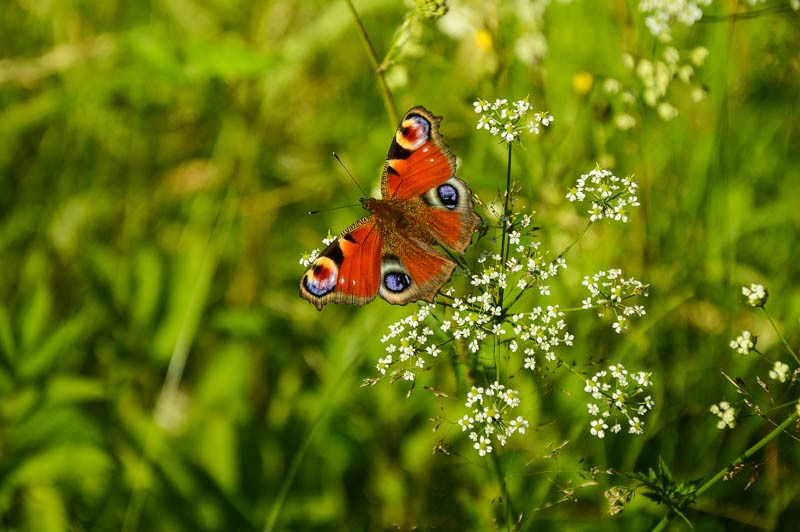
[392,251]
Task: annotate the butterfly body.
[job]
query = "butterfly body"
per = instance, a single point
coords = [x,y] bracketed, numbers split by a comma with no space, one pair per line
[392,252]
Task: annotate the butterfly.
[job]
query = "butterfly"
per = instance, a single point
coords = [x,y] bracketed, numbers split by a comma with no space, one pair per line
[393,251]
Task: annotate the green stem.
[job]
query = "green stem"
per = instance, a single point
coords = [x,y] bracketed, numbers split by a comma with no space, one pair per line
[388,100]
[785,343]
[401,35]
[577,238]
[501,480]
[504,233]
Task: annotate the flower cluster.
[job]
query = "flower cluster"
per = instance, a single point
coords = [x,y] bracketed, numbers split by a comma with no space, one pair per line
[662,13]
[726,413]
[490,419]
[779,371]
[618,392]
[744,343]
[409,345]
[540,332]
[610,195]
[756,295]
[609,290]
[475,319]
[507,120]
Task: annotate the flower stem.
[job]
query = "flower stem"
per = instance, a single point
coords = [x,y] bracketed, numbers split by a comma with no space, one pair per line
[501,480]
[577,238]
[388,100]
[785,343]
[504,221]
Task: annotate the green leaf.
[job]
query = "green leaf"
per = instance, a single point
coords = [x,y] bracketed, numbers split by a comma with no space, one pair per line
[67,336]
[61,463]
[149,278]
[35,315]
[65,389]
[7,347]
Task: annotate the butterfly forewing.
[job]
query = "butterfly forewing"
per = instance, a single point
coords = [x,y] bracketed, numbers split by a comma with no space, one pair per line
[348,270]
[418,158]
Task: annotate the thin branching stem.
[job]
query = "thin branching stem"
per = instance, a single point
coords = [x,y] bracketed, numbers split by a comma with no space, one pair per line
[780,335]
[386,93]
[577,238]
[497,467]
[504,222]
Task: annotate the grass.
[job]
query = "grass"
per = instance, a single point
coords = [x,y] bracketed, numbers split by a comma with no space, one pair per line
[159,371]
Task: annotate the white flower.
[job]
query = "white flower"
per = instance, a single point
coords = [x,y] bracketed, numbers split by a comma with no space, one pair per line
[507,120]
[483,445]
[598,427]
[779,371]
[744,343]
[610,291]
[490,416]
[756,295]
[618,393]
[727,414]
[662,13]
[609,195]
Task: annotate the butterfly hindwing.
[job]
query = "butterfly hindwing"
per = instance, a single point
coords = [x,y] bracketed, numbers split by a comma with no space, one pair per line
[413,271]
[450,217]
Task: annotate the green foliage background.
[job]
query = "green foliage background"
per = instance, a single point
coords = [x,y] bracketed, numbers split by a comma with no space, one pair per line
[158,369]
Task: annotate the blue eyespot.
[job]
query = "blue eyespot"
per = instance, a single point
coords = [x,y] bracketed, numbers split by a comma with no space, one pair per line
[396,281]
[448,195]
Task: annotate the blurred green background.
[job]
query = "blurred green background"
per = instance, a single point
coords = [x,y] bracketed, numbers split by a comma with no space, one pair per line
[158,159]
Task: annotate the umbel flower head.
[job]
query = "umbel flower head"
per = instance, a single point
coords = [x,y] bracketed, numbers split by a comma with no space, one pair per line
[744,343]
[726,413]
[491,420]
[619,395]
[610,290]
[662,13]
[755,294]
[610,196]
[507,120]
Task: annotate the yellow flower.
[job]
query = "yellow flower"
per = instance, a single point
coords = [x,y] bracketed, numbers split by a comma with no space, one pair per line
[582,83]
[484,39]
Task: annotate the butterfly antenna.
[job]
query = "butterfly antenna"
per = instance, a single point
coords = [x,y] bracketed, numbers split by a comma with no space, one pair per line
[363,192]
[335,208]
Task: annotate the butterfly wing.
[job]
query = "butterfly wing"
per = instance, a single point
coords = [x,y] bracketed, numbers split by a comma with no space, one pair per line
[420,165]
[434,205]
[348,270]
[392,252]
[411,271]
[418,158]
